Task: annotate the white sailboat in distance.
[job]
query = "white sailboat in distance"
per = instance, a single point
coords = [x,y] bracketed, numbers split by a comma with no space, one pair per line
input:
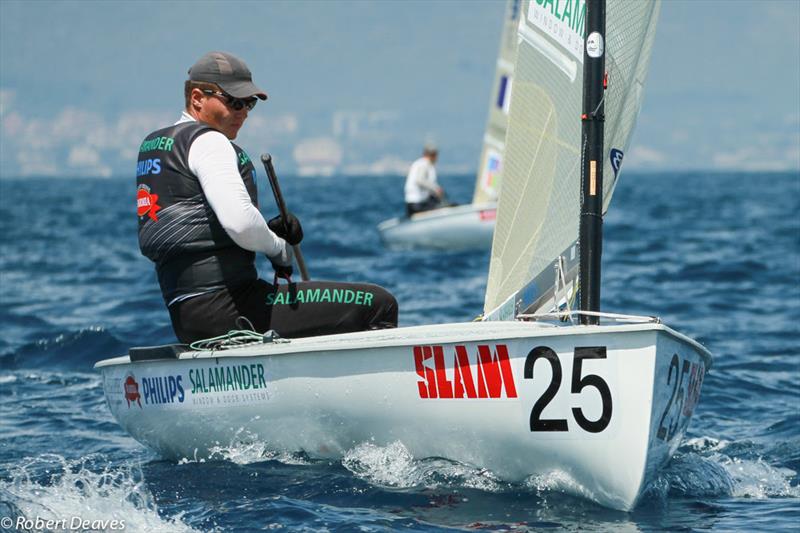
[469,226]
[597,401]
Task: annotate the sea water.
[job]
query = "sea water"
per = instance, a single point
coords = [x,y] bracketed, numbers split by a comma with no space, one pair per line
[717,256]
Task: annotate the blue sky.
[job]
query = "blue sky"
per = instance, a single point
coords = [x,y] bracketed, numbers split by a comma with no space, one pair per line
[365,83]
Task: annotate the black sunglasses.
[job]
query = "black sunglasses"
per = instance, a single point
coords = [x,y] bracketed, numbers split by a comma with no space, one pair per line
[234,103]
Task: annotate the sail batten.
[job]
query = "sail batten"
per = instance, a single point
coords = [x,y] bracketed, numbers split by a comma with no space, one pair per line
[539,205]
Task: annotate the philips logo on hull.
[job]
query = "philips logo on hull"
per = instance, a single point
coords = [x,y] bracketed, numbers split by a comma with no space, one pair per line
[485,374]
[163,389]
[616,160]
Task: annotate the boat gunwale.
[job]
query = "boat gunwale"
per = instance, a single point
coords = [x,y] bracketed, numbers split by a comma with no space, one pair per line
[363,340]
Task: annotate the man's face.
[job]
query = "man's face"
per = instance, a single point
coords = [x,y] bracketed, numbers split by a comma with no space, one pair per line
[215,111]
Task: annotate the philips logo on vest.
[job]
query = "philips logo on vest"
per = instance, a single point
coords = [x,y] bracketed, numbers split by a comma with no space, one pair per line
[148,166]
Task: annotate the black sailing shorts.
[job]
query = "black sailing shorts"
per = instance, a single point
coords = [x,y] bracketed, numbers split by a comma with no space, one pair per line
[301,309]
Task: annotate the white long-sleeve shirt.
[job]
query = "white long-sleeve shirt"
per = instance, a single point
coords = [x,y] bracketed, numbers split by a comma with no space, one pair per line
[213,160]
[421,181]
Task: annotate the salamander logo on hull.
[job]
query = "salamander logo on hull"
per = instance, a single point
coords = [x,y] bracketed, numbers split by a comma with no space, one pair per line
[227,378]
[229,384]
[491,377]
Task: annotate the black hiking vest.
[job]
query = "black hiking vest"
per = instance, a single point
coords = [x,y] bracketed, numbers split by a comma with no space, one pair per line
[178,230]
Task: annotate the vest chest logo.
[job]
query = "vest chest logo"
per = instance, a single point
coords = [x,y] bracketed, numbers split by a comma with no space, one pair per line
[146,203]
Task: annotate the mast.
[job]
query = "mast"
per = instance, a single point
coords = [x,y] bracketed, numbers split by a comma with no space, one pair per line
[592,158]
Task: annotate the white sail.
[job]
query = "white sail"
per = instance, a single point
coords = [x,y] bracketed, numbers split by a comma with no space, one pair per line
[490,165]
[538,213]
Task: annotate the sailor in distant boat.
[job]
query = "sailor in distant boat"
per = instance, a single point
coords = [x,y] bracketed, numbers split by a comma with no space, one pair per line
[199,223]
[422,190]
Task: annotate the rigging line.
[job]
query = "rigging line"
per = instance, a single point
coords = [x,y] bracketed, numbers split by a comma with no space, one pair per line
[600,103]
[561,271]
[232,339]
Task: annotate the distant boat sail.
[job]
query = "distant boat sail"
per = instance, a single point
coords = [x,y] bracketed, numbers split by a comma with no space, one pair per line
[470,225]
[490,165]
[527,391]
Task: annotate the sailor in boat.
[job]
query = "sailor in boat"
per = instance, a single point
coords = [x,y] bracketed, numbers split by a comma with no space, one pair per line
[199,223]
[422,190]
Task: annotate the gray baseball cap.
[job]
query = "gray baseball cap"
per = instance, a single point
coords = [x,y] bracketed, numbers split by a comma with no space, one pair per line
[227,71]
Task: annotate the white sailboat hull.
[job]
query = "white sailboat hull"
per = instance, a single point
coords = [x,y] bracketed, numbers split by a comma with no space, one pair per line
[469,392]
[467,226]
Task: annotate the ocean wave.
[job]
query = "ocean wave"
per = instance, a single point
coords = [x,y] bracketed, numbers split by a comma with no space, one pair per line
[394,466]
[244,451]
[50,487]
[70,350]
[709,467]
